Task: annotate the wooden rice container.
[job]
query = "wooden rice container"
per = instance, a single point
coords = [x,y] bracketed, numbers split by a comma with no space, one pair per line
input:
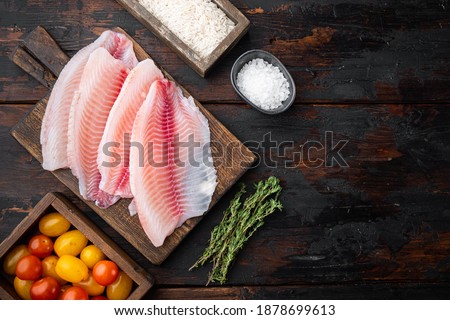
[201,65]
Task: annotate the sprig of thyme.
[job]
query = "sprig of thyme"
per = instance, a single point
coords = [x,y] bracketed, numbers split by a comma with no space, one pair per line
[239,223]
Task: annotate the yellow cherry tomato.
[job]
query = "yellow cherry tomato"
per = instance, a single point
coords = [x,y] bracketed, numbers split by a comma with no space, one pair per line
[48,269]
[70,243]
[91,255]
[92,287]
[71,269]
[121,288]
[23,287]
[11,259]
[53,224]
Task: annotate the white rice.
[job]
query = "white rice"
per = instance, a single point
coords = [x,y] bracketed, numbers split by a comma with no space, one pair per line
[200,24]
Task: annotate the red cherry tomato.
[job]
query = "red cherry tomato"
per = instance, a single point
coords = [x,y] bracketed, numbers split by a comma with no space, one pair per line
[75,293]
[99,298]
[29,268]
[45,289]
[105,272]
[41,246]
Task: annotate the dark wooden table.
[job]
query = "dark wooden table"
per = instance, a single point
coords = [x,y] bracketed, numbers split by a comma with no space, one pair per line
[374,73]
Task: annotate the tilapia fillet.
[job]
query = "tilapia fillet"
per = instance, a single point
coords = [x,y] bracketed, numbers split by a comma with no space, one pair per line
[54,124]
[100,85]
[170,183]
[114,150]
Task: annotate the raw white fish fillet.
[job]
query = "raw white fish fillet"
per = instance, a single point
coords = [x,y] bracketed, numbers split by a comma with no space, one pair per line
[169,183]
[114,149]
[100,85]
[54,124]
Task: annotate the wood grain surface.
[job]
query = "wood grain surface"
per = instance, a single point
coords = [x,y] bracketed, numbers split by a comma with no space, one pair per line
[374,73]
[231,158]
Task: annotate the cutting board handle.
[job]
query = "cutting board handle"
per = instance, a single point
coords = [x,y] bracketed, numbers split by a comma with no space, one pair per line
[40,56]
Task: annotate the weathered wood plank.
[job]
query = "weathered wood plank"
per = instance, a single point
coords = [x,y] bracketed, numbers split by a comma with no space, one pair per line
[337,51]
[23,59]
[355,291]
[385,218]
[41,45]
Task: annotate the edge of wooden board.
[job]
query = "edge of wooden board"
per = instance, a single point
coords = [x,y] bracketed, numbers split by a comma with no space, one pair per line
[24,128]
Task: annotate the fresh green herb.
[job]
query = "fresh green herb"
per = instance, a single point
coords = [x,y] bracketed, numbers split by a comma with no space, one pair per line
[239,223]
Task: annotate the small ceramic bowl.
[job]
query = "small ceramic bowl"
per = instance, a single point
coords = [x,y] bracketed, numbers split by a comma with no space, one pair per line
[270,58]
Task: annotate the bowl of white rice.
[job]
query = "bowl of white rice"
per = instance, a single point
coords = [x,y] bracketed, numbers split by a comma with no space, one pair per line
[263,82]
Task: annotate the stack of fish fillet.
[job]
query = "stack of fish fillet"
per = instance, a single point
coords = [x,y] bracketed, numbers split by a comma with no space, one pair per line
[120,127]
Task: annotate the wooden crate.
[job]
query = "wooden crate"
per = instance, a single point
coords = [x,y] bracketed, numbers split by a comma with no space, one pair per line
[57,202]
[200,65]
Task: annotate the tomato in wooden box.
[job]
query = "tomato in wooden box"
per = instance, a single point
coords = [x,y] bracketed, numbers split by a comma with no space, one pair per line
[55,202]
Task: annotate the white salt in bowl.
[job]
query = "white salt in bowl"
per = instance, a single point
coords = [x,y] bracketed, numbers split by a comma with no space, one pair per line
[270,58]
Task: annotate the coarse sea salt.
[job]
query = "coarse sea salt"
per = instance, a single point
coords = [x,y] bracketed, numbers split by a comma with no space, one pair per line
[263,84]
[200,24]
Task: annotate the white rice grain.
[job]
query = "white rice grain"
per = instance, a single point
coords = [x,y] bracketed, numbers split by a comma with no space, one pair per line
[200,24]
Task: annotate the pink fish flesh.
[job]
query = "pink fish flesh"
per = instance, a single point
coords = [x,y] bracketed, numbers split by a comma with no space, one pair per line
[54,124]
[170,183]
[114,149]
[100,85]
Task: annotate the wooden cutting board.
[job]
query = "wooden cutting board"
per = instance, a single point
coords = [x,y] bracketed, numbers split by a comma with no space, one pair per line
[43,59]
